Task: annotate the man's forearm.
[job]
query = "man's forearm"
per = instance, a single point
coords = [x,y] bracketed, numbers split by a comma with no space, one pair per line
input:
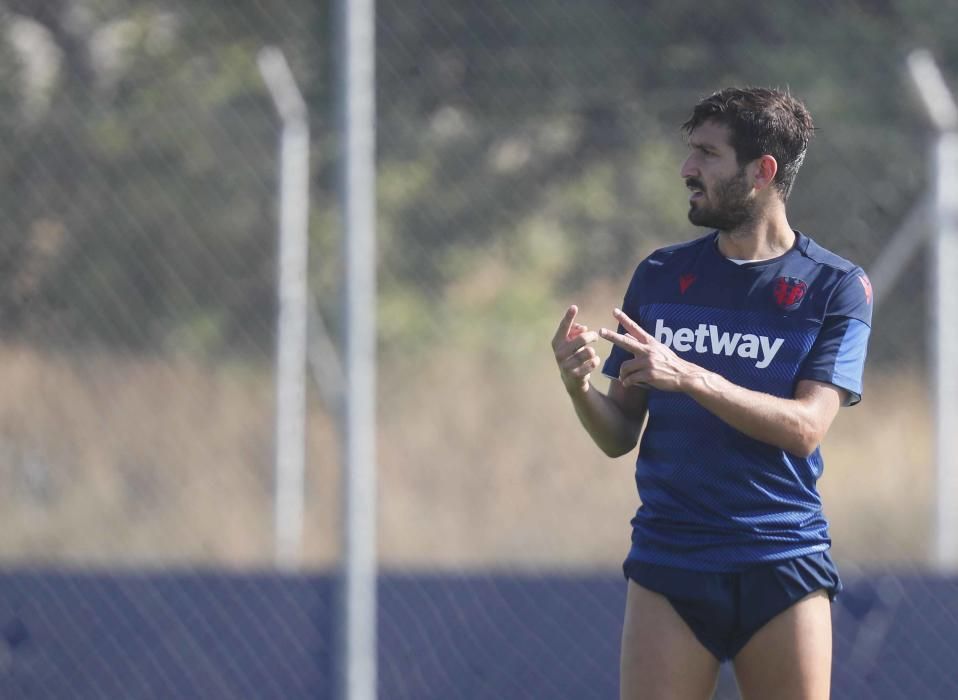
[610,428]
[788,424]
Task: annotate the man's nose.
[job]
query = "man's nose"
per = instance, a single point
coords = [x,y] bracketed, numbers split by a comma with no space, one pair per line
[688,169]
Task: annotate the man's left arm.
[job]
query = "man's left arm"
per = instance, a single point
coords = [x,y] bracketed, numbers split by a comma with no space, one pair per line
[796,425]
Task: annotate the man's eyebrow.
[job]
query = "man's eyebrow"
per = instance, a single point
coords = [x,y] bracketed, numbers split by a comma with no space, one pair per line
[703,145]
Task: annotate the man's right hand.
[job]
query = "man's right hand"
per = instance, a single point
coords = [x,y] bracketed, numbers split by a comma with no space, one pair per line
[572,345]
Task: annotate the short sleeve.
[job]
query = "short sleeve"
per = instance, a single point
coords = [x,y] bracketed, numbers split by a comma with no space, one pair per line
[838,355]
[630,305]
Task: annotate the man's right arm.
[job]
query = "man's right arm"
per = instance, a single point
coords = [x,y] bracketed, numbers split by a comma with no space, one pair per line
[614,421]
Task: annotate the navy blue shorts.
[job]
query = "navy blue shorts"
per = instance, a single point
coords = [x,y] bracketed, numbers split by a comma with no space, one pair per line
[724,610]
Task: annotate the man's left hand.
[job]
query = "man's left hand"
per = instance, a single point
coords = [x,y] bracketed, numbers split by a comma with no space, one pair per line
[654,364]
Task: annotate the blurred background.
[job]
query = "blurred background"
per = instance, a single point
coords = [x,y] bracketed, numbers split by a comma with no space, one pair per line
[527,158]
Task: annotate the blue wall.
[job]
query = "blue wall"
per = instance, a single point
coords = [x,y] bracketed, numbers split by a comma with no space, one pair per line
[221,635]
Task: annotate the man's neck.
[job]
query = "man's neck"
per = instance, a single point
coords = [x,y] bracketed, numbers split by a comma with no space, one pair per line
[760,239]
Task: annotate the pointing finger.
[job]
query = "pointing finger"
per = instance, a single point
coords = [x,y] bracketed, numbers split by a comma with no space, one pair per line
[634,329]
[562,332]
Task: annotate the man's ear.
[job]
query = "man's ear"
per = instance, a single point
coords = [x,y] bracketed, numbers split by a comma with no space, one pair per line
[765,169]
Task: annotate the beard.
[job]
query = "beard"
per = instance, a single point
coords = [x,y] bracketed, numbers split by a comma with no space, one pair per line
[731,206]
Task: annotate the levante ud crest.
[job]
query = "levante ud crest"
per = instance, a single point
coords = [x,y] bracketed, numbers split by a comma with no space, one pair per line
[789,292]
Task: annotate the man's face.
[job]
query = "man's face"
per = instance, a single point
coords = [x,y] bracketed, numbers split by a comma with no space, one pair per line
[721,191]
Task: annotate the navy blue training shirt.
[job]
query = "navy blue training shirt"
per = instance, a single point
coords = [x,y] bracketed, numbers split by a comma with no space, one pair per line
[714,499]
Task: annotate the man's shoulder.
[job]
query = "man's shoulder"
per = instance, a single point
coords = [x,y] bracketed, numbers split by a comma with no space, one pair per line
[823,256]
[663,255]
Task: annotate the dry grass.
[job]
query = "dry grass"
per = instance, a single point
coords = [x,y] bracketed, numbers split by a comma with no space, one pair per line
[111,459]
[107,460]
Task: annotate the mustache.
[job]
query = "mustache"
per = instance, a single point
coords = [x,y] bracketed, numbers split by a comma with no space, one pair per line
[694,182]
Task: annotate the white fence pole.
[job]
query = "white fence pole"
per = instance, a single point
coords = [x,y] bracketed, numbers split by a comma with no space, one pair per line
[293,306]
[946,348]
[357,92]
[944,113]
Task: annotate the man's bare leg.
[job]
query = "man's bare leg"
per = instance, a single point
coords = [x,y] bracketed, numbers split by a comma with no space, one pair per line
[661,658]
[790,658]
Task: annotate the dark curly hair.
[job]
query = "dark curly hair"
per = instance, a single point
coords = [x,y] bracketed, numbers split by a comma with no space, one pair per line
[761,121]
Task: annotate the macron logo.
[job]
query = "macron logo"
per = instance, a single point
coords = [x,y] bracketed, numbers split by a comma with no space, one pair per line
[706,338]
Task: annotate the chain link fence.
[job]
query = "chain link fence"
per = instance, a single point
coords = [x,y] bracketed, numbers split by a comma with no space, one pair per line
[528,158]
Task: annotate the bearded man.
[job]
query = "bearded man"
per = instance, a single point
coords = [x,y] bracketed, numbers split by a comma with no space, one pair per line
[732,356]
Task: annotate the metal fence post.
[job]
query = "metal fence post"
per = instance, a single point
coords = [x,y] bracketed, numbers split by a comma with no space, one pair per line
[293,306]
[944,259]
[357,94]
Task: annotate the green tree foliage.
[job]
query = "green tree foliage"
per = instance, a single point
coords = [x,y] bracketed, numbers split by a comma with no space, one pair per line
[139,205]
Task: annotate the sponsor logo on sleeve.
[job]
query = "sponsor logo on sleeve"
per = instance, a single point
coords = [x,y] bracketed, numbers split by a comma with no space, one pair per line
[867,285]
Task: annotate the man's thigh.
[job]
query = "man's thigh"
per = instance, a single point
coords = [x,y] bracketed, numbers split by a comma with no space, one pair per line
[661,658]
[790,658]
